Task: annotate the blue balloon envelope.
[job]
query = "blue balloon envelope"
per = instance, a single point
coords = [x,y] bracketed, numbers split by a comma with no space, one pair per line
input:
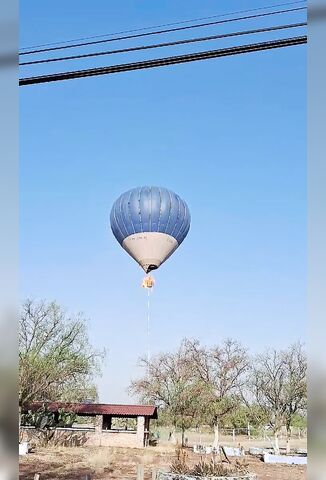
[150,223]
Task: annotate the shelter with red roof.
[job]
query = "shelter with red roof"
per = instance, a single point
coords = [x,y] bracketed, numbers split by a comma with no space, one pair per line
[104,430]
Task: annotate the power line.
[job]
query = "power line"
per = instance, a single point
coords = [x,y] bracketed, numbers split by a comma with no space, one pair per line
[125,67]
[167,44]
[164,25]
[158,32]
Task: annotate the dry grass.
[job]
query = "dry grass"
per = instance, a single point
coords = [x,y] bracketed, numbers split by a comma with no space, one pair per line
[104,463]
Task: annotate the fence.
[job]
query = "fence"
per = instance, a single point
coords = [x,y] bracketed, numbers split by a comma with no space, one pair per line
[262,433]
[204,435]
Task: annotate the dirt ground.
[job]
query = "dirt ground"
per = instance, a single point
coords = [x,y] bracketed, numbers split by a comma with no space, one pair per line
[104,463]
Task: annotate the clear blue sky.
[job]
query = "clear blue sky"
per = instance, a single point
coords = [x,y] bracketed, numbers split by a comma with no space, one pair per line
[228,135]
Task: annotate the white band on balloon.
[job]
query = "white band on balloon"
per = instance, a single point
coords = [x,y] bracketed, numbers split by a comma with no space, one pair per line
[150,249]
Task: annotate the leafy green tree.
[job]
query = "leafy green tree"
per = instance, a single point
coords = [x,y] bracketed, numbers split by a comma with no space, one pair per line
[249,418]
[238,418]
[56,359]
[299,421]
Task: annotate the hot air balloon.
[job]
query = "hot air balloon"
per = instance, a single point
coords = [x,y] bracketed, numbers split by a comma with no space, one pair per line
[150,223]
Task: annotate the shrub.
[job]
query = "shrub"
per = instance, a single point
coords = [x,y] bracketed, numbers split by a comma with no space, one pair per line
[206,468]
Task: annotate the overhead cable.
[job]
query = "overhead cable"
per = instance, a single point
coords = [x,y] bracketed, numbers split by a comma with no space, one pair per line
[163,25]
[167,44]
[125,67]
[159,32]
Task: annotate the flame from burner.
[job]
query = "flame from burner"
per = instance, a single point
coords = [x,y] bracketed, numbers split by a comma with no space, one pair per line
[148,282]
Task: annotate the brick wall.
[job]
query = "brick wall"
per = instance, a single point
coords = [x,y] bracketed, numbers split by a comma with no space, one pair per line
[96,437]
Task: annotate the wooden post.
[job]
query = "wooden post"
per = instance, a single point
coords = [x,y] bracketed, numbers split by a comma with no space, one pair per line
[154,474]
[224,454]
[36,476]
[248,431]
[233,435]
[140,472]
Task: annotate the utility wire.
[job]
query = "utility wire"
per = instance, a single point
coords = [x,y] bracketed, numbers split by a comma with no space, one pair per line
[158,32]
[167,44]
[163,25]
[125,67]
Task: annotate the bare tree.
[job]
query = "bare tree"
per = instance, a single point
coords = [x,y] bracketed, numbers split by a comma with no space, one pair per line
[222,370]
[56,360]
[170,383]
[277,382]
[295,360]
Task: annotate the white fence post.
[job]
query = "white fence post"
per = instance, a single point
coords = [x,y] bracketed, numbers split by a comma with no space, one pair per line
[140,472]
